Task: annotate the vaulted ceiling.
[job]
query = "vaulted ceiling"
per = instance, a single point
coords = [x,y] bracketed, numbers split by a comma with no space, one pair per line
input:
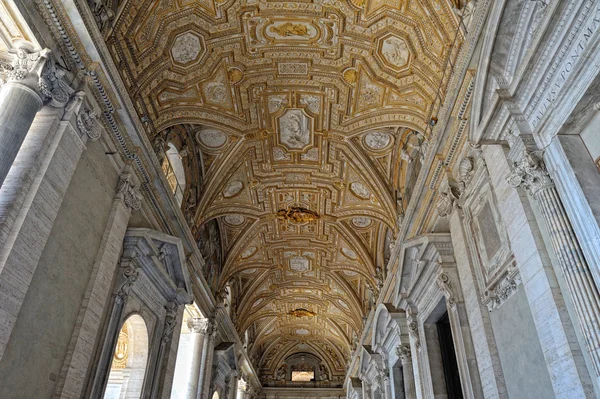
[311,107]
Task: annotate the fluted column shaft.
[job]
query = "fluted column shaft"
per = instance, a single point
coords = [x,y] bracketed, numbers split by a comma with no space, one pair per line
[205,371]
[407,372]
[529,172]
[583,290]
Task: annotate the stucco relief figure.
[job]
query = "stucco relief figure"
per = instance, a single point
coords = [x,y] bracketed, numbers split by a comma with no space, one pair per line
[395,51]
[323,372]
[281,373]
[294,129]
[297,214]
[290,29]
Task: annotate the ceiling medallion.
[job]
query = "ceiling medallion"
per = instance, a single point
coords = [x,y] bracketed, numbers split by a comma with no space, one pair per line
[361,221]
[248,252]
[394,51]
[377,140]
[360,190]
[234,220]
[186,48]
[348,253]
[233,188]
[301,312]
[297,215]
[211,138]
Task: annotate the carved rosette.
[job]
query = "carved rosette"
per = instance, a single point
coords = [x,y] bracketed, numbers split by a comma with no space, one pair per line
[445,284]
[529,172]
[404,353]
[129,192]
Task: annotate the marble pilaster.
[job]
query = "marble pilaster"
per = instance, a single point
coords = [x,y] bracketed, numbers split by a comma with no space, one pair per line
[29,211]
[562,354]
[529,172]
[80,352]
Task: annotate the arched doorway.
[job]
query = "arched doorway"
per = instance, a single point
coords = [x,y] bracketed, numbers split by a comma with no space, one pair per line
[128,367]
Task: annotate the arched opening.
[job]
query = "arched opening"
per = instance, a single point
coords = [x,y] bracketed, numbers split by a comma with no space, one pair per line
[128,368]
[173,169]
[215,395]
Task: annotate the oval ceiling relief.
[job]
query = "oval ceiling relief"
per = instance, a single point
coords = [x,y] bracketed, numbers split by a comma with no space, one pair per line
[211,138]
[233,188]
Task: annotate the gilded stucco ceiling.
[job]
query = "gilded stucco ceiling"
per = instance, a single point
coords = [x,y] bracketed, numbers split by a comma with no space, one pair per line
[311,105]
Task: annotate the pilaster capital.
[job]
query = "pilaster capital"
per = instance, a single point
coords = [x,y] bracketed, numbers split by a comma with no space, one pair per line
[529,172]
[128,191]
[403,352]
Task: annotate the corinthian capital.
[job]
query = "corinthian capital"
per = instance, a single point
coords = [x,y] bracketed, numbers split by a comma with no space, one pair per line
[38,71]
[201,325]
[128,192]
[530,173]
[404,352]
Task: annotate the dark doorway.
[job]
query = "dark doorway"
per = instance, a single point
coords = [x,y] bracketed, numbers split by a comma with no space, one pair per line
[449,363]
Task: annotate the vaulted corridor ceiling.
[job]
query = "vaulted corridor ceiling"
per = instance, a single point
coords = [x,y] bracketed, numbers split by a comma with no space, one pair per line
[307,121]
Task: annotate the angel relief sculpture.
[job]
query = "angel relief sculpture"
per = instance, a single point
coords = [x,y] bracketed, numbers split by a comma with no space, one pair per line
[297,215]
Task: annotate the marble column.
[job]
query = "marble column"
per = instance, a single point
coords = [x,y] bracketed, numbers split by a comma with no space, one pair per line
[32,82]
[197,327]
[407,371]
[205,372]
[80,353]
[529,172]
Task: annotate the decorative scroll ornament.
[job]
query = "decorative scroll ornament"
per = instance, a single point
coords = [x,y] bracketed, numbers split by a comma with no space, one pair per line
[300,312]
[130,275]
[54,89]
[530,173]
[128,192]
[413,329]
[445,284]
[88,124]
[403,352]
[170,322]
[297,215]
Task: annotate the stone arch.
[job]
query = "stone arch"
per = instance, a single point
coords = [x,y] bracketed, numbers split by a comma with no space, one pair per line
[130,360]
